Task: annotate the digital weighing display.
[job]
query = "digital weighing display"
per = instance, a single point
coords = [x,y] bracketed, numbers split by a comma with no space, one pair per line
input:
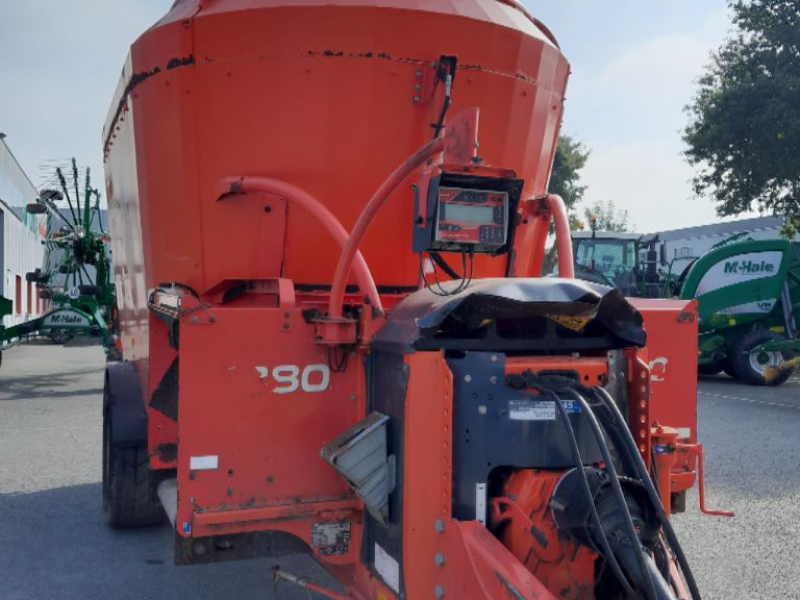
[477,218]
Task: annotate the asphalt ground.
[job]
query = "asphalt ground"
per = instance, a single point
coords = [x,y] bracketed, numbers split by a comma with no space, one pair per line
[54,544]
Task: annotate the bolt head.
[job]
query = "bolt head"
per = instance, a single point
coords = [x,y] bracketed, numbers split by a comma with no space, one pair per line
[439,559]
[439,526]
[493,379]
[438,591]
[467,378]
[482,410]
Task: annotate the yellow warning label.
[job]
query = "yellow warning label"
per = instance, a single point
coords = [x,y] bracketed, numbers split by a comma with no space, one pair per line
[573,323]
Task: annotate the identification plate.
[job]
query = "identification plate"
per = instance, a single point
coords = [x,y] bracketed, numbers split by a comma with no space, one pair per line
[539,410]
[531,410]
[331,538]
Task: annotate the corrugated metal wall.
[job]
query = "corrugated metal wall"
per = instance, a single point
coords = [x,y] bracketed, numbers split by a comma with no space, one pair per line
[22,248]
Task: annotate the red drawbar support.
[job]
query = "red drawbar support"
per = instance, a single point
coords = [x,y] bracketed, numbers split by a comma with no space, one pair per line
[697,450]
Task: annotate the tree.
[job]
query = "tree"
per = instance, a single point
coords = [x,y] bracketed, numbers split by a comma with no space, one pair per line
[608,218]
[744,131]
[570,157]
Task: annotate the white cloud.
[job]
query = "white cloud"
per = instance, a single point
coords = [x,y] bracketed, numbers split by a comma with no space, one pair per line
[650,179]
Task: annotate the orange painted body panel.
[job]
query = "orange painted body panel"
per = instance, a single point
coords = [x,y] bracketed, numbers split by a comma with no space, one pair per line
[235,406]
[428,468]
[671,354]
[329,96]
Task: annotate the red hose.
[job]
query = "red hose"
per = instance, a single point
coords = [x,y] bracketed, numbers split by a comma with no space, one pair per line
[324,216]
[368,214]
[566,264]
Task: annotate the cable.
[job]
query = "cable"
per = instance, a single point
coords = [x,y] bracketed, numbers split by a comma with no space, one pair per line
[446,74]
[616,487]
[630,446]
[442,264]
[466,280]
[576,456]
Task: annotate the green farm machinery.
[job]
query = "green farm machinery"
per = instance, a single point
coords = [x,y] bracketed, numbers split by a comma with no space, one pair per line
[75,278]
[749,307]
[748,294]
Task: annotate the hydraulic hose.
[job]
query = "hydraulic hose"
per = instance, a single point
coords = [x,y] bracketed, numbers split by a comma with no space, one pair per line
[576,456]
[636,547]
[374,205]
[324,217]
[627,443]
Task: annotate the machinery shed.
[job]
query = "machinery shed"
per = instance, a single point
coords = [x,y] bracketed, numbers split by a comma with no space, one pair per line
[21,248]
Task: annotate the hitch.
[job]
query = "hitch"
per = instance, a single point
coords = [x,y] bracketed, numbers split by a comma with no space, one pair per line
[697,450]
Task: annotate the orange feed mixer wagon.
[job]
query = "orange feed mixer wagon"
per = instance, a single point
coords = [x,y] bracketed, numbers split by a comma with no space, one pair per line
[329,225]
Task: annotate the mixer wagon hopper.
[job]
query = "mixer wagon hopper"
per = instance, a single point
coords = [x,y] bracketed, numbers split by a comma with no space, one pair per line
[333,329]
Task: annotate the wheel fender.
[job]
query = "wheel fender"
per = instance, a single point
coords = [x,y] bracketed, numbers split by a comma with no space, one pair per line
[123,404]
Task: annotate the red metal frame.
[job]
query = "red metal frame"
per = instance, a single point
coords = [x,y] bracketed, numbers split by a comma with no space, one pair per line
[267,88]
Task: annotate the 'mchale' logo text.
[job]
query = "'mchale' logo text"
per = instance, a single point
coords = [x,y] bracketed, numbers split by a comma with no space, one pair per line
[748,266]
[66,319]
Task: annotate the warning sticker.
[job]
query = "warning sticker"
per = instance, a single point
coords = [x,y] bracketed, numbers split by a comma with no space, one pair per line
[572,323]
[539,410]
[331,538]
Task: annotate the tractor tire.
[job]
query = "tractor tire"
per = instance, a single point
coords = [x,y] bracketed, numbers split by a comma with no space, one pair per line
[61,336]
[750,367]
[712,368]
[727,368]
[129,496]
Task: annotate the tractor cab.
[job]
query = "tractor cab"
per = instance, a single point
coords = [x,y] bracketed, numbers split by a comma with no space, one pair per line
[610,258]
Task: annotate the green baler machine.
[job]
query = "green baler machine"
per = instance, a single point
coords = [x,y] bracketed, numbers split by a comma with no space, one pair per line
[749,304]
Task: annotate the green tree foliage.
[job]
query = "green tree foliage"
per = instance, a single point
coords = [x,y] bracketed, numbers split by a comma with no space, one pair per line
[744,130]
[570,157]
[608,218]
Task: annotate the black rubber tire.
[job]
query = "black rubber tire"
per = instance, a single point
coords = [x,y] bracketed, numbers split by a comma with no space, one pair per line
[727,368]
[61,336]
[712,368]
[742,365]
[129,495]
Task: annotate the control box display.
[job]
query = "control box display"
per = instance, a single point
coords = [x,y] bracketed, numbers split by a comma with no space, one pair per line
[466,213]
[467,217]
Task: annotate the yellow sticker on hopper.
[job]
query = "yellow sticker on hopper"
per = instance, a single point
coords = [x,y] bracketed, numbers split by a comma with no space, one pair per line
[573,323]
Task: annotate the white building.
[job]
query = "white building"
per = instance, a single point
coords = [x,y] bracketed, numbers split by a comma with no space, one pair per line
[21,249]
[682,246]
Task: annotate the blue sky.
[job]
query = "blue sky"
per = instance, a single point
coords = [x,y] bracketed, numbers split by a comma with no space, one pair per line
[634,65]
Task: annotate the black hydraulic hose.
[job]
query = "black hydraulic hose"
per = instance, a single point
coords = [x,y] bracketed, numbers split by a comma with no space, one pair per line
[663,591]
[641,559]
[576,456]
[641,471]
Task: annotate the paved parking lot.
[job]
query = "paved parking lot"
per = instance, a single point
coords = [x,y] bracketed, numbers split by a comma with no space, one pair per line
[54,543]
